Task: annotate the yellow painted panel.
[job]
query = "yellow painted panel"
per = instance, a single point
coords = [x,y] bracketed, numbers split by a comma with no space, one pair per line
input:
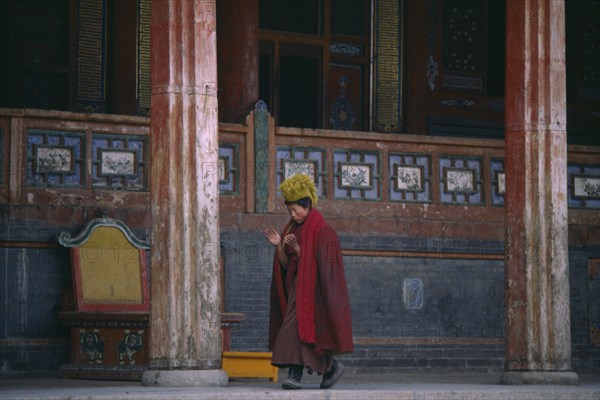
[110,268]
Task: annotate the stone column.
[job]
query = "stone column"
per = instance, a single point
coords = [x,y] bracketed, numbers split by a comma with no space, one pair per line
[537,318]
[237,58]
[185,319]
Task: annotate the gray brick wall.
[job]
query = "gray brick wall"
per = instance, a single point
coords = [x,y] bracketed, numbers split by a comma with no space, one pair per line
[585,308]
[457,299]
[461,300]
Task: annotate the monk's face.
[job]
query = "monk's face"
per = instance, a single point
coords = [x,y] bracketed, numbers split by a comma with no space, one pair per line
[297,212]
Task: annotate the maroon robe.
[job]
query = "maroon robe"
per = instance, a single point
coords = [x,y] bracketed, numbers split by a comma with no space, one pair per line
[322,303]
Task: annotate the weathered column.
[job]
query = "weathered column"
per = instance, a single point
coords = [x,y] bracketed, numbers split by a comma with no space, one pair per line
[237,58]
[185,343]
[537,318]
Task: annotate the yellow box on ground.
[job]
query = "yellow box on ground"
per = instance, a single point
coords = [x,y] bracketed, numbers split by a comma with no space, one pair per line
[249,364]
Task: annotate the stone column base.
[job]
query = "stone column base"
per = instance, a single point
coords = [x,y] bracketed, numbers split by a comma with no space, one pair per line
[540,378]
[185,378]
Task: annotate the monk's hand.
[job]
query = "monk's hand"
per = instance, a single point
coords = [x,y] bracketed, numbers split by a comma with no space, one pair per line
[292,241]
[273,236]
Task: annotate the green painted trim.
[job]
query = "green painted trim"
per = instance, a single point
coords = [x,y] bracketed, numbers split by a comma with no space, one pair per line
[66,240]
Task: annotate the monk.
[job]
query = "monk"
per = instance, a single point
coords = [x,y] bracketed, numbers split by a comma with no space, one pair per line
[310,317]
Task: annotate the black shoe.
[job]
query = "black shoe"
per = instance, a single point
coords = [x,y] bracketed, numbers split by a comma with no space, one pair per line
[294,378]
[330,378]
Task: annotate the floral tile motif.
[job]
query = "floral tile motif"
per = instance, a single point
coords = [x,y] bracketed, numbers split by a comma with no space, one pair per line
[120,162]
[357,174]
[49,159]
[461,180]
[228,168]
[309,161]
[583,185]
[55,158]
[295,167]
[117,162]
[586,186]
[410,177]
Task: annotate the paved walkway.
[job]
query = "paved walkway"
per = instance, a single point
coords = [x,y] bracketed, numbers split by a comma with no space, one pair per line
[352,386]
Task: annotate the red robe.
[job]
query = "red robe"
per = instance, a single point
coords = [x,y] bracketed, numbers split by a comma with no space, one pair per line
[322,302]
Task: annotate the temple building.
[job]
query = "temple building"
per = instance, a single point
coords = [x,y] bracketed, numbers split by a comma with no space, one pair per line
[454,145]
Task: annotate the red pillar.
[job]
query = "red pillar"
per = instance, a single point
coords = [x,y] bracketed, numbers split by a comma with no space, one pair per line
[185,318]
[537,317]
[237,22]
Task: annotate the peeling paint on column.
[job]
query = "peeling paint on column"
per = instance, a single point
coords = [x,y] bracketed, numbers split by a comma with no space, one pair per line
[536,272]
[185,275]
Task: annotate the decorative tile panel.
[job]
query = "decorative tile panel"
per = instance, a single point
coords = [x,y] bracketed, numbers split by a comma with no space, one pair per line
[55,158]
[303,160]
[357,175]
[410,177]
[461,180]
[584,185]
[498,181]
[229,173]
[120,162]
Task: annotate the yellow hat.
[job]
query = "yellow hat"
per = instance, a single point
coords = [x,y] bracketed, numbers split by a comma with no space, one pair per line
[297,187]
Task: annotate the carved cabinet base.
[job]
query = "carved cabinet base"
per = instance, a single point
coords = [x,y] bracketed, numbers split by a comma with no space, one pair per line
[106,345]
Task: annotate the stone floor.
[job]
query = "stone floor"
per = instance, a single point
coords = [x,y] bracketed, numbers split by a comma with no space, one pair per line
[352,386]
